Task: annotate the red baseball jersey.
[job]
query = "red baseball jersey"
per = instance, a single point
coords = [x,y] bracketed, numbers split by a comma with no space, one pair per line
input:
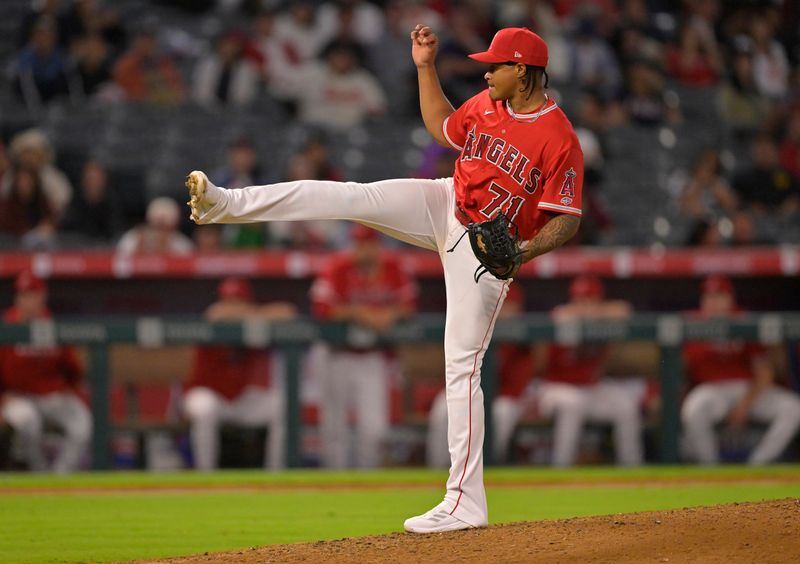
[228,370]
[25,369]
[515,363]
[528,166]
[580,366]
[712,361]
[343,282]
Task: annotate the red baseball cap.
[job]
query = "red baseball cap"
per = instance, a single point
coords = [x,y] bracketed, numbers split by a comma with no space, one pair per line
[232,287]
[586,287]
[717,284]
[515,44]
[363,233]
[28,282]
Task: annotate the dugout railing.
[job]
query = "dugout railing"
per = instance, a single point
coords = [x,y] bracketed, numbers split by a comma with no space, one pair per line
[669,331]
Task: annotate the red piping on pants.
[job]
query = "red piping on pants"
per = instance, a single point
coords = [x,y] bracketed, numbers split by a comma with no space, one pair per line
[469,437]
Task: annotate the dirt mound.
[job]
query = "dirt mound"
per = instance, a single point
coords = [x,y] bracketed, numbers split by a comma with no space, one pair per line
[740,532]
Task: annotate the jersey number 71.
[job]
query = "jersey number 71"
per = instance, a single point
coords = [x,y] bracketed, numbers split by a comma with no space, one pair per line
[503,200]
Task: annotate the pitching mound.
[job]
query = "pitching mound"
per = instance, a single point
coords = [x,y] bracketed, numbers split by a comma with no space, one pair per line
[741,532]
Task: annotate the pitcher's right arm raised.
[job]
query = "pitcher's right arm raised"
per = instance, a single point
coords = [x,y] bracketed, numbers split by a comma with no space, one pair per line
[432,102]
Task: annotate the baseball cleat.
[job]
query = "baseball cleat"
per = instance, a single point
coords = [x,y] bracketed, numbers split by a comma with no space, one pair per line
[437,520]
[197,183]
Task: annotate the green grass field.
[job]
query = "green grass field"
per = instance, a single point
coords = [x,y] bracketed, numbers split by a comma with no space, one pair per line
[120,516]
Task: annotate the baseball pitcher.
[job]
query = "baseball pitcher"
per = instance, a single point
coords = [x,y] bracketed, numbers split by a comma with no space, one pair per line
[516,193]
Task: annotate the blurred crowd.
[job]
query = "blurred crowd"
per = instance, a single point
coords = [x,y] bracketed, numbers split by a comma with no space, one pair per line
[338,64]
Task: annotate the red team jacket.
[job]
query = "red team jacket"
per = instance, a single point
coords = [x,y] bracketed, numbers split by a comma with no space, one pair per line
[711,361]
[342,282]
[524,165]
[719,361]
[515,369]
[228,370]
[37,371]
[579,366]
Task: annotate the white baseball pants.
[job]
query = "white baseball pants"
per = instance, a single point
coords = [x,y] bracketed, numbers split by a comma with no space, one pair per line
[505,415]
[571,406]
[708,404]
[27,416]
[207,410]
[420,212]
[357,382]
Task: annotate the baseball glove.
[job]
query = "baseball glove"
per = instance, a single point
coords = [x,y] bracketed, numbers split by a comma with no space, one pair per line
[496,247]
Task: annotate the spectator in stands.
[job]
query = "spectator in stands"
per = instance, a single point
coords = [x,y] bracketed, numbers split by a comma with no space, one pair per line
[733,381]
[274,56]
[93,66]
[704,192]
[94,214]
[312,161]
[207,238]
[593,62]
[31,150]
[593,119]
[160,232]
[40,385]
[241,169]
[297,27]
[52,10]
[770,64]
[636,35]
[738,230]
[225,77]
[88,17]
[696,59]
[25,212]
[336,94]
[460,76]
[766,187]
[354,20]
[370,291]
[393,67]
[145,74]
[742,107]
[573,391]
[643,99]
[41,73]
[235,384]
[515,368]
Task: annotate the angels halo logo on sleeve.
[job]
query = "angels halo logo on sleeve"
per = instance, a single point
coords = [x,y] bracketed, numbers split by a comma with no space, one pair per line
[568,186]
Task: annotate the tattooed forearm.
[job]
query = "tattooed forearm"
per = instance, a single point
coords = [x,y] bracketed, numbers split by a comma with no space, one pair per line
[555,233]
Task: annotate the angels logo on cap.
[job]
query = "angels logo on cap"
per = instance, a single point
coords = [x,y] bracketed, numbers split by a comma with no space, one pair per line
[515,44]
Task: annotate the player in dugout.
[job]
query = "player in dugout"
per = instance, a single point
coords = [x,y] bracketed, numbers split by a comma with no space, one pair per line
[237,385]
[573,389]
[733,381]
[39,385]
[370,289]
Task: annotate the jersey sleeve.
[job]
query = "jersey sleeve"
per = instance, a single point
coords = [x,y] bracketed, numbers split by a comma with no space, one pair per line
[455,127]
[563,187]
